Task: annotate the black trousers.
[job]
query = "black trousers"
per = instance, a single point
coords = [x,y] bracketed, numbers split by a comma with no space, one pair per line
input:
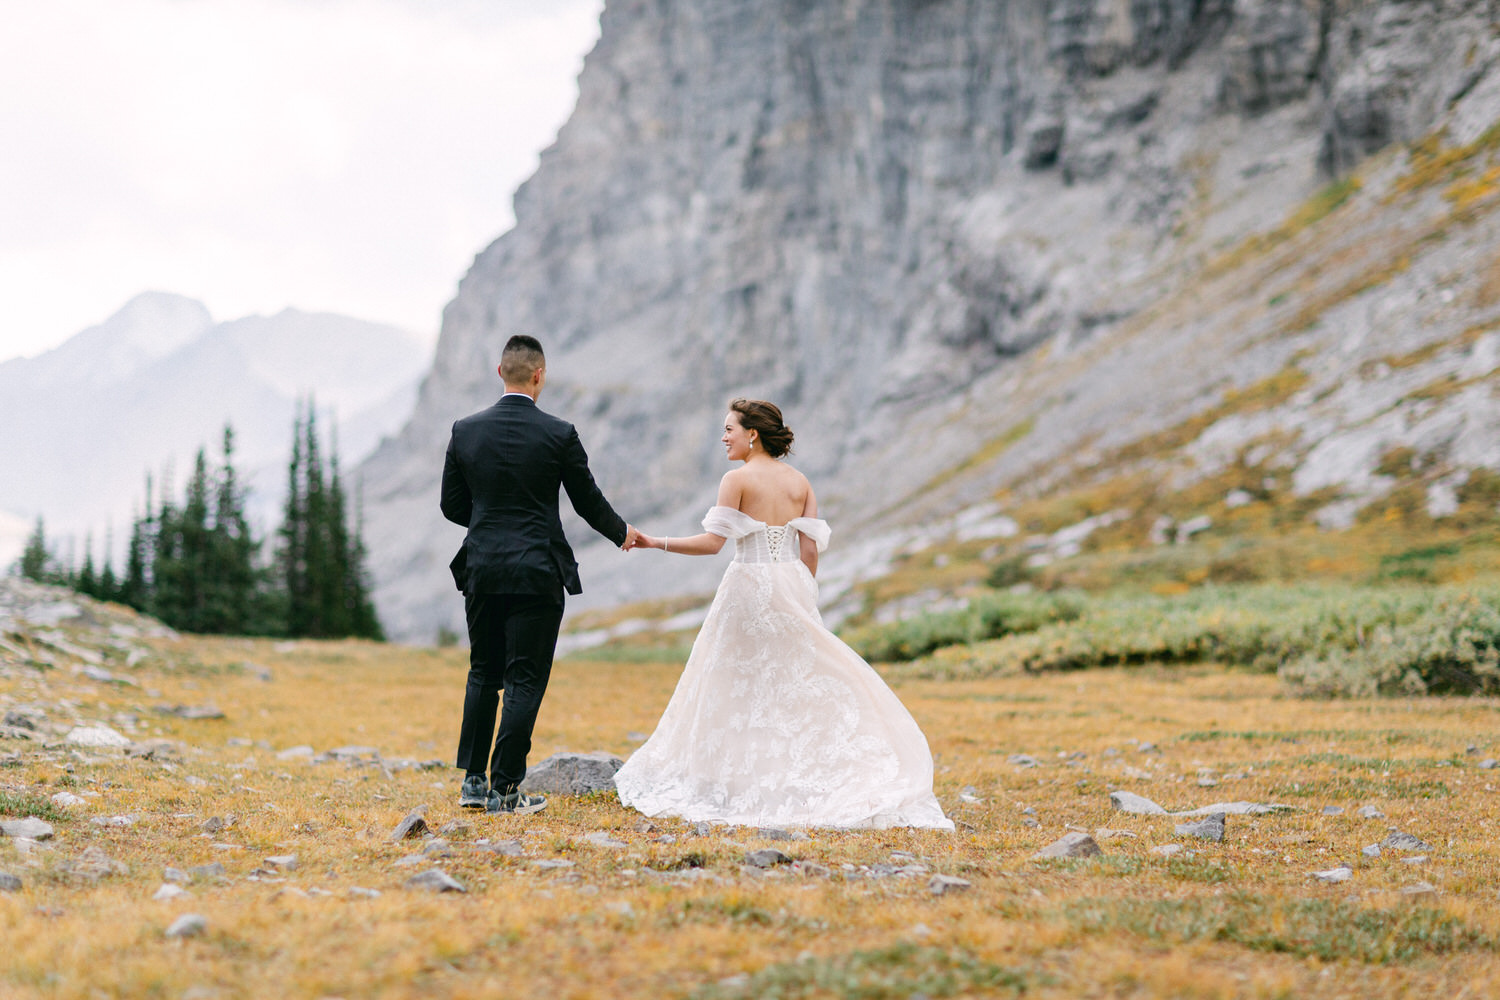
[511,641]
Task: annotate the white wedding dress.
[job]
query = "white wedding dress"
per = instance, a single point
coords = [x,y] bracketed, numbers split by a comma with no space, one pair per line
[775,721]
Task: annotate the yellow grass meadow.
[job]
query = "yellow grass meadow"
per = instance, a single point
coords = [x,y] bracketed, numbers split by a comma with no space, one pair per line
[675,912]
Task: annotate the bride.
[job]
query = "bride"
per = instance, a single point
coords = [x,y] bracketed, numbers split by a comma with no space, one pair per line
[775,722]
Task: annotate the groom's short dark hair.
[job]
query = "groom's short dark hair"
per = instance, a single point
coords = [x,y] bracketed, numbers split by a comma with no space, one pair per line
[522,356]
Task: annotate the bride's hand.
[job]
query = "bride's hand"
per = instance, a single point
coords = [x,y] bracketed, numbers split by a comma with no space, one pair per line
[645,541]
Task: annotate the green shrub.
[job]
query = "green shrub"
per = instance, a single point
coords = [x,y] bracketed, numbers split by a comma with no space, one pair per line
[1322,640]
[1452,647]
[987,616]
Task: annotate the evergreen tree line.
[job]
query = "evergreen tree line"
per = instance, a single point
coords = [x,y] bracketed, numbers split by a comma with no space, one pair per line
[197,566]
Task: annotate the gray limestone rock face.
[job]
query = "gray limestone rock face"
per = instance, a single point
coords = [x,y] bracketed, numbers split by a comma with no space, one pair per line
[884,210]
[573,774]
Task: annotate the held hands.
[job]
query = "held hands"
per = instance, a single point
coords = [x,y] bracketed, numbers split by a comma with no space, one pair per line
[637,539]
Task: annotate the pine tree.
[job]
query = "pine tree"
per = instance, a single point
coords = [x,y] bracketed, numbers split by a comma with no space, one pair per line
[109,587]
[235,606]
[35,557]
[363,621]
[292,557]
[86,582]
[135,589]
[321,565]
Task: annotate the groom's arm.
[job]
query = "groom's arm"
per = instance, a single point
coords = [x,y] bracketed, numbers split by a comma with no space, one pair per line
[584,494]
[457,502]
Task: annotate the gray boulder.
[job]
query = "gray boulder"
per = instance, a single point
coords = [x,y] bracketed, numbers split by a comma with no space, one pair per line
[1129,802]
[31,828]
[573,774]
[1071,845]
[435,880]
[1211,828]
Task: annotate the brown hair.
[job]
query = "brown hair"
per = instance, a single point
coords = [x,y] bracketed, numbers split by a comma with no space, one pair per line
[764,419]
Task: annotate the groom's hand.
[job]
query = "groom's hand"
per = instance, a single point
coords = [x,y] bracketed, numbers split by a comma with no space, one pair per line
[632,538]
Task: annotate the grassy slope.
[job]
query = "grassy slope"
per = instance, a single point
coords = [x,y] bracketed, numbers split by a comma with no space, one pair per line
[1238,919]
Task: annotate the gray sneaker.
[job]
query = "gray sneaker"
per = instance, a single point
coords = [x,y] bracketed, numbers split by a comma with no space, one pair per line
[473,793]
[515,802]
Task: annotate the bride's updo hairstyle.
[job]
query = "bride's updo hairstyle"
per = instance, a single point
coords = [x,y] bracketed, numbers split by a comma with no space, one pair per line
[764,419]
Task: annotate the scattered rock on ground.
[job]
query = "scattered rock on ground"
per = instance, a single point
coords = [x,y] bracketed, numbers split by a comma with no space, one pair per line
[506,848]
[93,864]
[168,891]
[1333,810]
[67,800]
[573,774]
[9,882]
[96,736]
[302,752]
[600,838]
[1340,873]
[1129,802]
[1370,850]
[1489,763]
[413,825]
[1070,845]
[942,885]
[767,857]
[435,880]
[208,711]
[201,873]
[281,862]
[32,828]
[1167,850]
[187,925]
[1399,841]
[1209,828]
[1236,809]
[1369,812]
[1023,760]
[1419,889]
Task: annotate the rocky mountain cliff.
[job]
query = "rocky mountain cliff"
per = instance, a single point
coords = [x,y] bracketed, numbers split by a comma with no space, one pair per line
[83,423]
[971,245]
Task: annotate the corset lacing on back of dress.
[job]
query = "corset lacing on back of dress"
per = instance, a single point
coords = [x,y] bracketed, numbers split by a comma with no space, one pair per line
[776,543]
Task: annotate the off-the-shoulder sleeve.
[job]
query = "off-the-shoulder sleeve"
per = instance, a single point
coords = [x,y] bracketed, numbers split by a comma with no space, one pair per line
[813,527]
[727,522]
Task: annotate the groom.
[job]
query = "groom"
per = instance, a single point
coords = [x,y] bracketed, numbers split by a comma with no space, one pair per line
[500,480]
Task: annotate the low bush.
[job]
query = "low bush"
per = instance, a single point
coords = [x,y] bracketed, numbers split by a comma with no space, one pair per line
[988,616]
[1322,640]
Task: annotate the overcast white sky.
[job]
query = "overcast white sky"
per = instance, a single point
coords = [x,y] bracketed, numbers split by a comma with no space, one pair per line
[342,155]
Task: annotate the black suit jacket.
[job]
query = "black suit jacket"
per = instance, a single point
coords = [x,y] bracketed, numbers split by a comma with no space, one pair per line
[501,478]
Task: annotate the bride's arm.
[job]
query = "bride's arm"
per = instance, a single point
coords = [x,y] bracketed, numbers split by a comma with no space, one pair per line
[809,547]
[708,543]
